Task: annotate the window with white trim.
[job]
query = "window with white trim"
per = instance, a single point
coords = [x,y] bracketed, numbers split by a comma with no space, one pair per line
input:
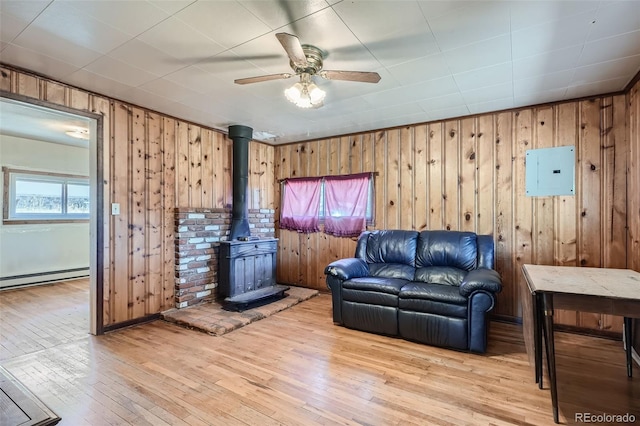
[39,196]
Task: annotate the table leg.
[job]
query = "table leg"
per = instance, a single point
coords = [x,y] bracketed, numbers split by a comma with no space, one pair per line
[628,336]
[537,337]
[547,299]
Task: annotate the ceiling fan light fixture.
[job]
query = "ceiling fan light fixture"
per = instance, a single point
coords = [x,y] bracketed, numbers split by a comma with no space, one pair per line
[305,94]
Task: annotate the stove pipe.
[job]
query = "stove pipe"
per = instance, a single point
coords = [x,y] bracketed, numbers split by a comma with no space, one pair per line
[240,135]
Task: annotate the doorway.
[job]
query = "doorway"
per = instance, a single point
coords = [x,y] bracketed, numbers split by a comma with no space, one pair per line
[46,193]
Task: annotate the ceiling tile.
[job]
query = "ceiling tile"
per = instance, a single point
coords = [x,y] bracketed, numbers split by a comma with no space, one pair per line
[611,48]
[441,114]
[606,70]
[479,55]
[28,59]
[539,97]
[598,87]
[394,32]
[167,89]
[207,17]
[487,76]
[541,83]
[492,105]
[489,93]
[615,18]
[470,24]
[546,63]
[552,35]
[144,56]
[68,23]
[434,9]
[97,83]
[10,27]
[194,78]
[132,17]
[416,92]
[24,10]
[425,68]
[40,40]
[171,6]
[278,13]
[529,13]
[120,71]
[453,100]
[179,40]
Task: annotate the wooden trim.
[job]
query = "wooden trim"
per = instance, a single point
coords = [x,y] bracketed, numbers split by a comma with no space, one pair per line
[129,323]
[632,83]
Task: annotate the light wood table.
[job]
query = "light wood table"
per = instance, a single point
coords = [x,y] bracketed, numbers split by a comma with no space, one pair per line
[599,290]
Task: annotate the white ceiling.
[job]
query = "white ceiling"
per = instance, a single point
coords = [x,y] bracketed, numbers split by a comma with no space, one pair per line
[437,59]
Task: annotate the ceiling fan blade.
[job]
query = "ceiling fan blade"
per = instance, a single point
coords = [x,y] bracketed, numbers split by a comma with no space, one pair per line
[258,79]
[364,77]
[293,48]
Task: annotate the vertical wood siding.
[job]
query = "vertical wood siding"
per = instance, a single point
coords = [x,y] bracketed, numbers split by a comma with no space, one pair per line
[469,174]
[152,164]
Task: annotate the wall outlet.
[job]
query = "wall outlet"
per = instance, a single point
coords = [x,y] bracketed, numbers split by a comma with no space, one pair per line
[115,209]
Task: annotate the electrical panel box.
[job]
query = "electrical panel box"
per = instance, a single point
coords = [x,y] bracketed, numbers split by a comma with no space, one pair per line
[550,171]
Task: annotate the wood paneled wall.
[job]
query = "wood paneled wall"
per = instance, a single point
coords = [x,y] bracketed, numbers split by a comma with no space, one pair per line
[633,99]
[469,174]
[152,164]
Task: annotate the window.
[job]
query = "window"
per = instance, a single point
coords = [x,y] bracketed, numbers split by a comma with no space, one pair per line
[37,197]
[344,204]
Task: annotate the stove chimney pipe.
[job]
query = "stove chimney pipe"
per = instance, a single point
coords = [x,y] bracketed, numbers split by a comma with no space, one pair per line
[240,135]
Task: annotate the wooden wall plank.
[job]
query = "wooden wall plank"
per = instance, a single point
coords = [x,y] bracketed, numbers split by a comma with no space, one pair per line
[633,210]
[543,222]
[436,190]
[467,175]
[206,159]
[392,176]
[406,184]
[451,175]
[504,256]
[195,166]
[183,192]
[420,166]
[138,211]
[380,156]
[168,210]
[121,260]
[485,172]
[154,291]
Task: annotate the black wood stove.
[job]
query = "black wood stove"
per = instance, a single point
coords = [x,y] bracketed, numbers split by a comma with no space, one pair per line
[247,272]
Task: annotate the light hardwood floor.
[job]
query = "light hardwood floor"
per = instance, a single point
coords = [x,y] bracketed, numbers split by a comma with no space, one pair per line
[295,367]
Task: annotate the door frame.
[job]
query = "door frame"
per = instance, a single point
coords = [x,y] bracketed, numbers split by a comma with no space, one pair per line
[97,224]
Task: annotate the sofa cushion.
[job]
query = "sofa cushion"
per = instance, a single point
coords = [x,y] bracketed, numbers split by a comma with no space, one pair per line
[391,247]
[447,248]
[434,292]
[392,270]
[433,329]
[445,275]
[382,285]
[370,297]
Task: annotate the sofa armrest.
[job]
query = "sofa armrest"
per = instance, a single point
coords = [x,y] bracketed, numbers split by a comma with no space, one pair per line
[345,269]
[481,279]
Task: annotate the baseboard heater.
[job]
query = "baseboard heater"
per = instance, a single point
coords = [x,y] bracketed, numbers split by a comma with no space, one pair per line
[42,277]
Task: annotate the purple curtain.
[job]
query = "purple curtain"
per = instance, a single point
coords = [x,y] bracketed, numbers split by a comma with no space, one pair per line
[300,206]
[346,204]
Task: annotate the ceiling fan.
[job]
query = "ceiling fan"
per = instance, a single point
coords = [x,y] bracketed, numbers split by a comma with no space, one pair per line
[306,61]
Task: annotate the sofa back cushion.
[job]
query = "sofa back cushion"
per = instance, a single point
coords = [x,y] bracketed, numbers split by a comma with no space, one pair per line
[388,246]
[392,270]
[447,248]
[445,275]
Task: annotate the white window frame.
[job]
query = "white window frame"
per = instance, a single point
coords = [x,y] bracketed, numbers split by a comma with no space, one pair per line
[11,176]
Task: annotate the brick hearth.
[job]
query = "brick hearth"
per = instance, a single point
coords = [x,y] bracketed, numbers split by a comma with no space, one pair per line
[198,234]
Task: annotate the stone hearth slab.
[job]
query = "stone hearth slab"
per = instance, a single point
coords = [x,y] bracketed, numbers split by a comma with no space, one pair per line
[210,317]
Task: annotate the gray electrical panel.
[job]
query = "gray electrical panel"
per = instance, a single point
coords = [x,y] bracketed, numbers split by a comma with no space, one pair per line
[550,171]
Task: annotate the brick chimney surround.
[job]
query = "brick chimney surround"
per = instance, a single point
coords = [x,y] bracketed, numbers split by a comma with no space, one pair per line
[198,234]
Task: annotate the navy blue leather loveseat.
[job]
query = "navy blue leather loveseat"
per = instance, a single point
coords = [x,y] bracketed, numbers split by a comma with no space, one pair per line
[434,287]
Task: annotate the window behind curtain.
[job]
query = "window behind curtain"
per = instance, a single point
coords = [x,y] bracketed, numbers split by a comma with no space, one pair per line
[346,201]
[301,204]
[340,203]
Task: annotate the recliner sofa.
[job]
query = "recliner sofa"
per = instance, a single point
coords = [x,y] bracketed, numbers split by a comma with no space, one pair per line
[433,287]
